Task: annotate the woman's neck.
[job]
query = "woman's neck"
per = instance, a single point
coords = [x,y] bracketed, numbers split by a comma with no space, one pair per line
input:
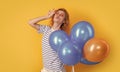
[56,26]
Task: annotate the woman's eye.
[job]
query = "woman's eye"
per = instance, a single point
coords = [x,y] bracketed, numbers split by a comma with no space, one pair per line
[61,15]
[57,13]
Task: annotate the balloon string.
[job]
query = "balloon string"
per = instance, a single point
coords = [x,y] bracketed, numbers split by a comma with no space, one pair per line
[73,70]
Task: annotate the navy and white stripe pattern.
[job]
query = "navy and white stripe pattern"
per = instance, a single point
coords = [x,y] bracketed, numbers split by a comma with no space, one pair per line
[50,57]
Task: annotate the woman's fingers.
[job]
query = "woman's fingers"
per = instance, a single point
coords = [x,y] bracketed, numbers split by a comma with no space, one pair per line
[51,12]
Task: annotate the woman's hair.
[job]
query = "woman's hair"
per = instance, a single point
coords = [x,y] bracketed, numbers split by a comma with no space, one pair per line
[66,19]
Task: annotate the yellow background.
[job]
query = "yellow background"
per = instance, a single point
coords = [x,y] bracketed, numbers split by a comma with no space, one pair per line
[20,44]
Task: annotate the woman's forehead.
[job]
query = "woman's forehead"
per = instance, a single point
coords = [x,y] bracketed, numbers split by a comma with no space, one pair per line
[61,12]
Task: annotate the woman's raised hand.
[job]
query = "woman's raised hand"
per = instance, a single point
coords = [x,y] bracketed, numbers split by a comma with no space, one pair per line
[51,13]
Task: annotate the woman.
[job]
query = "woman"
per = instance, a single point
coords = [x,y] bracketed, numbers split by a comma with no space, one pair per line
[59,20]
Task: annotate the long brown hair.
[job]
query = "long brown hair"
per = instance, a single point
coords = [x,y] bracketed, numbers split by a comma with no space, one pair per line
[66,20]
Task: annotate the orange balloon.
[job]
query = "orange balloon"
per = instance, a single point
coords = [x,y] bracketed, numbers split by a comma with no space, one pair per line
[96,50]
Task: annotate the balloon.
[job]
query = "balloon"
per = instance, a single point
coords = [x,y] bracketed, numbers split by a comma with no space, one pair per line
[84,61]
[81,32]
[96,50]
[69,53]
[57,38]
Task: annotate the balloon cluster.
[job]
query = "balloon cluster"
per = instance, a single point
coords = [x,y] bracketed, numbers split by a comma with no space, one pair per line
[80,46]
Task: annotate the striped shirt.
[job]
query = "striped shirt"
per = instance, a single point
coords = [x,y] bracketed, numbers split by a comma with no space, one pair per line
[50,57]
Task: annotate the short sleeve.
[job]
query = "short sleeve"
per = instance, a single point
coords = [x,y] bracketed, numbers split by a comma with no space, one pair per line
[43,28]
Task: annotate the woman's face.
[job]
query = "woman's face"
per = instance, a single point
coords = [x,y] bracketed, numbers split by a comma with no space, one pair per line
[59,17]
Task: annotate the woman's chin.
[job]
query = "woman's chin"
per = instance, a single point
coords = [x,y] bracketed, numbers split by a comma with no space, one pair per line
[56,21]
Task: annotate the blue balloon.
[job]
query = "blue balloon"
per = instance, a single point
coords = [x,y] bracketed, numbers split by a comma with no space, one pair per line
[57,38]
[84,61]
[81,32]
[69,53]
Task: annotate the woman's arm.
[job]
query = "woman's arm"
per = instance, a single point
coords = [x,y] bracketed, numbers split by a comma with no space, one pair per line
[33,22]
